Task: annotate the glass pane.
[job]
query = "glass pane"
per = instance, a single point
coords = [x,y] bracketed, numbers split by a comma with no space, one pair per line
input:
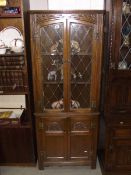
[52,65]
[81,42]
[125,47]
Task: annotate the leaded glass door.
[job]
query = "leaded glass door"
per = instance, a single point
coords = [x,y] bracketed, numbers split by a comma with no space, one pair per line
[124,60]
[52,59]
[81,51]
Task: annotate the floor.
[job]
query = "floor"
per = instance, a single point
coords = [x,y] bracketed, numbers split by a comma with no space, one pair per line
[64,170]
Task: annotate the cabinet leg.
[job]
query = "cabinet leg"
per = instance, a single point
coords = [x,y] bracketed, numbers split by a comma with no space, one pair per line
[41,161]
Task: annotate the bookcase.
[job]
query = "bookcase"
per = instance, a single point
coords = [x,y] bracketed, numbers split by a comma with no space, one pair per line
[17,133]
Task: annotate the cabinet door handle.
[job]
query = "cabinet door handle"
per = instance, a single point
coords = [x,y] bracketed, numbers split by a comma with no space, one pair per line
[121,123]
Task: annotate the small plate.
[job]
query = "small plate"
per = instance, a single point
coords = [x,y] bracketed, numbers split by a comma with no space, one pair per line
[10,33]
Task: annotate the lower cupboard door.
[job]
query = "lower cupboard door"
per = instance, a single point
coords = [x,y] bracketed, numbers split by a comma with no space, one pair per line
[55,148]
[122,154]
[80,147]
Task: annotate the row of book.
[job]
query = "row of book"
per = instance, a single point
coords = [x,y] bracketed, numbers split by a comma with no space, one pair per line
[10,62]
[11,79]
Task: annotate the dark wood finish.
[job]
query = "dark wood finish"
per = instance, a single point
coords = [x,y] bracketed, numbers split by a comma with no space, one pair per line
[15,146]
[115,136]
[16,140]
[66,135]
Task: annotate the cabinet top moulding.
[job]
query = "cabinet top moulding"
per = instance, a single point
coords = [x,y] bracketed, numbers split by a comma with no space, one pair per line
[89,15]
[66,11]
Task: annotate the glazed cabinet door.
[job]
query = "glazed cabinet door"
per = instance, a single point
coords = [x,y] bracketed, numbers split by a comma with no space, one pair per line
[85,47]
[67,62]
[121,35]
[48,57]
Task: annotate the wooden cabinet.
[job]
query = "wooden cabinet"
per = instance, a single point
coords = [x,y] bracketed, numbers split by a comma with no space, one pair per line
[66,57]
[16,134]
[116,121]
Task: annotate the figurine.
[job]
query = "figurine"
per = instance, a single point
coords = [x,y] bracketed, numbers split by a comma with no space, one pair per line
[80,75]
[52,75]
[122,65]
[53,49]
[58,104]
[126,8]
[75,104]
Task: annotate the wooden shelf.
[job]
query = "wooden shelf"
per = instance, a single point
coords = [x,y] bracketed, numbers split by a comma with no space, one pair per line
[61,54]
[58,82]
[79,83]
[52,82]
[10,16]
[12,55]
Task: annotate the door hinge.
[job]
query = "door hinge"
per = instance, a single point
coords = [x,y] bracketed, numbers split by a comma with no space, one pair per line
[93,125]
[97,35]
[41,125]
[93,104]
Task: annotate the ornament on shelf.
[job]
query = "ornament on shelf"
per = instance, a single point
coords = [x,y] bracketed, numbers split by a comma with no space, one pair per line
[126,41]
[57,104]
[75,104]
[52,75]
[60,103]
[122,65]
[126,8]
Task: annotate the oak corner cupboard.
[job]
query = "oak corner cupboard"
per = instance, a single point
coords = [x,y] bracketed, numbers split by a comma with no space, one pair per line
[66,49]
[16,119]
[116,121]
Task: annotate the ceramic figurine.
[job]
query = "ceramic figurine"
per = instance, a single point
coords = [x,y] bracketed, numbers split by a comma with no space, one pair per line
[75,104]
[52,75]
[122,65]
[126,8]
[58,104]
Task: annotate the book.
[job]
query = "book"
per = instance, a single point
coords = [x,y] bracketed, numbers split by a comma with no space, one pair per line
[5,114]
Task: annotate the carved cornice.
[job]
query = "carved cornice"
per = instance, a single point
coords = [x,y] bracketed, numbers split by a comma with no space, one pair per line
[38,20]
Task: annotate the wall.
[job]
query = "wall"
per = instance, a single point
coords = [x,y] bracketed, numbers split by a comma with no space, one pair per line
[38,4]
[74,4]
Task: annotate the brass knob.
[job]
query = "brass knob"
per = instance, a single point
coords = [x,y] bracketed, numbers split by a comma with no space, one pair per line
[121,123]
